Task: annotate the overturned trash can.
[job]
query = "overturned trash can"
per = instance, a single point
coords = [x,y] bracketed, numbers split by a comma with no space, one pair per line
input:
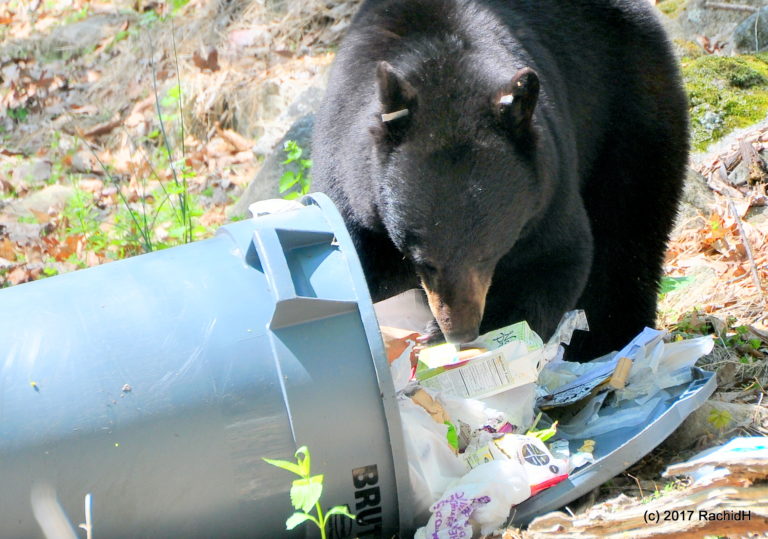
[157,384]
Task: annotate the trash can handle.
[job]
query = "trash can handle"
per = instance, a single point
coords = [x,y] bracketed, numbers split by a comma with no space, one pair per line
[273,261]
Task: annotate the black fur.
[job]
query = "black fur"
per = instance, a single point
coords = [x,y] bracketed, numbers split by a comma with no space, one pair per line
[545,145]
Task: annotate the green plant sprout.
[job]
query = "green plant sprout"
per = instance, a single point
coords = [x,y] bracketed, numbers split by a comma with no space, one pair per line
[295,178]
[305,493]
[542,434]
[719,418]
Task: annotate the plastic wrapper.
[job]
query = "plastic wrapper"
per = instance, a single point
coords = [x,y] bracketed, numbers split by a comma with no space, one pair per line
[432,464]
[656,365]
[560,450]
[480,501]
[665,365]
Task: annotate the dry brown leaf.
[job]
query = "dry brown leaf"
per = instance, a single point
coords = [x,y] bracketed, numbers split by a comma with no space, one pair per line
[209,62]
[103,128]
[91,185]
[236,140]
[7,249]
[19,275]
[217,147]
[62,250]
[92,259]
[41,216]
[84,109]
[216,216]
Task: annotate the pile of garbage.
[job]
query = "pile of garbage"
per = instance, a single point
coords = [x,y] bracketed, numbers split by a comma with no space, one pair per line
[509,420]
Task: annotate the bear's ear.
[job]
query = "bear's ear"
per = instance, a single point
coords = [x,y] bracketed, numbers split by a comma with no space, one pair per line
[516,102]
[398,101]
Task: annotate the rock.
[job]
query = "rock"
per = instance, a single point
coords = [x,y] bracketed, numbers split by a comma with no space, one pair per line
[31,173]
[698,18]
[703,424]
[752,34]
[757,216]
[300,116]
[306,103]
[84,161]
[51,198]
[265,184]
[697,198]
[82,35]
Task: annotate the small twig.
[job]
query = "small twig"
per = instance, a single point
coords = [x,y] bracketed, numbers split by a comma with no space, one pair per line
[147,240]
[736,279]
[747,246]
[731,7]
[144,234]
[638,484]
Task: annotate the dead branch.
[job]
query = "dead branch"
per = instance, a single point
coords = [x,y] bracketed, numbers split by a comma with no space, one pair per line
[730,7]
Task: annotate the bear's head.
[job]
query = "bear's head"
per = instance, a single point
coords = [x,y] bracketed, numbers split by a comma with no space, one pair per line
[455,165]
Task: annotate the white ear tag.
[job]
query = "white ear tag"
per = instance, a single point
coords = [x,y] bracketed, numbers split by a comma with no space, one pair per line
[394,115]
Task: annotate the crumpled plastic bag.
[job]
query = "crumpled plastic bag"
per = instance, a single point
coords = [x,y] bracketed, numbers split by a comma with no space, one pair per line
[521,466]
[482,498]
[401,370]
[273,205]
[656,366]
[663,366]
[432,464]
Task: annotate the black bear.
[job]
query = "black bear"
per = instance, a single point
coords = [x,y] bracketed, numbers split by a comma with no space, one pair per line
[517,158]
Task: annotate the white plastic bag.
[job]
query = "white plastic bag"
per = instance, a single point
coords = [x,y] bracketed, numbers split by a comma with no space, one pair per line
[482,497]
[432,464]
[665,365]
[520,466]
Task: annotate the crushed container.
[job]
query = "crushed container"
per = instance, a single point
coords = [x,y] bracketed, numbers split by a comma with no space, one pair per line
[618,449]
[158,383]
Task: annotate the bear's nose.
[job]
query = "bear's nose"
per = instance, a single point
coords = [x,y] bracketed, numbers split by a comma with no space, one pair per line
[462,336]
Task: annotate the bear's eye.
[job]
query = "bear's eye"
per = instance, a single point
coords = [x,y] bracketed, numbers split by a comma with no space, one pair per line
[427,268]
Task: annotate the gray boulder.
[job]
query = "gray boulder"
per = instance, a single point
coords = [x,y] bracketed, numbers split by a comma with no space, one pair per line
[752,34]
[265,184]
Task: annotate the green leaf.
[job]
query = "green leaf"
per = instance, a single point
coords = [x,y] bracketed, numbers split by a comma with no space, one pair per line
[544,434]
[287,180]
[303,458]
[297,518]
[452,435]
[305,182]
[306,163]
[285,465]
[292,195]
[292,150]
[339,510]
[306,492]
[670,284]
[172,96]
[719,418]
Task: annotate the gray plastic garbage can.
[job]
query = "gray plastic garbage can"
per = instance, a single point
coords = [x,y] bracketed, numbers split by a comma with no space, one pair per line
[157,384]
